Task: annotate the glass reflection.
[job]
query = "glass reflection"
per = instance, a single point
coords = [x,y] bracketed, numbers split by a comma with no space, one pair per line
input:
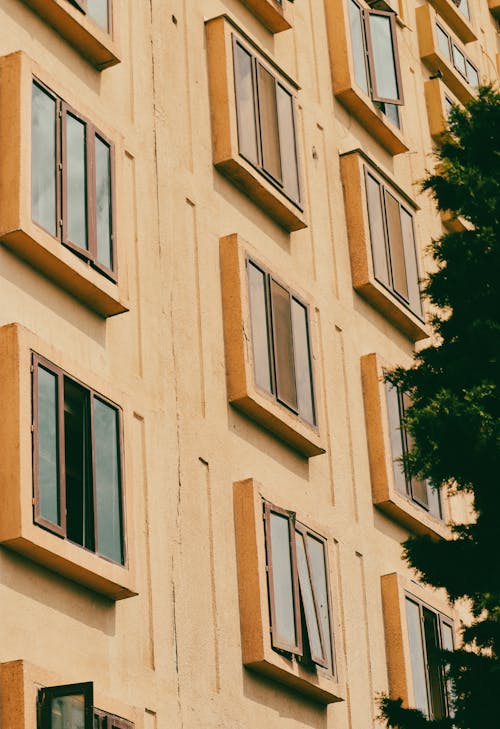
[48,447]
[383,57]
[68,712]
[76,178]
[103,203]
[107,481]
[43,159]
[282,580]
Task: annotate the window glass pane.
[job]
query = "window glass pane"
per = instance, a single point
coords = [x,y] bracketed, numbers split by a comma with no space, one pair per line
[319,578]
[472,75]
[283,345]
[434,499]
[43,159]
[448,103]
[447,644]
[417,658]
[433,664]
[288,143]
[410,257]
[463,7]
[459,60]
[358,46]
[98,11]
[303,373]
[79,493]
[396,436]
[443,42]
[103,203]
[377,234]
[259,322]
[306,592]
[398,267]
[245,110]
[76,181]
[107,481]
[384,62]
[284,630]
[271,158]
[392,112]
[68,712]
[48,448]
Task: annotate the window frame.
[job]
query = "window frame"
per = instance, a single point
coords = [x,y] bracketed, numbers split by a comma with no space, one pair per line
[272,343]
[61,529]
[452,47]
[384,191]
[256,62]
[405,448]
[47,694]
[366,13]
[299,610]
[441,620]
[105,720]
[62,110]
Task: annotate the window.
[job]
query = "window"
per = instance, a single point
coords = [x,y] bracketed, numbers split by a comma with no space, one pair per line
[297,570]
[429,632]
[254,124]
[375,57]
[288,607]
[280,343]
[456,57]
[71,173]
[97,10]
[419,491]
[392,242]
[77,462]
[463,6]
[266,121]
[71,707]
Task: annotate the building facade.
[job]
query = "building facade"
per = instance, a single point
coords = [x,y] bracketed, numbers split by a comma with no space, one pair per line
[211,241]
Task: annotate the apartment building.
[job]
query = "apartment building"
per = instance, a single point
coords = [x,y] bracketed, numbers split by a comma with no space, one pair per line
[211,240]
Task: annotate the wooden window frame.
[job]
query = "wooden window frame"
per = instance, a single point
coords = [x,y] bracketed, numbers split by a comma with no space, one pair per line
[300,614]
[441,619]
[406,447]
[256,62]
[61,529]
[272,343]
[91,134]
[386,190]
[46,695]
[82,6]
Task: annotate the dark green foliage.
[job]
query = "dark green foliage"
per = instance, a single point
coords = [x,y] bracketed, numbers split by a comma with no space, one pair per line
[456,406]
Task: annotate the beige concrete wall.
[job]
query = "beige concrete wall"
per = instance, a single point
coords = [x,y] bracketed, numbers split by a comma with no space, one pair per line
[171,656]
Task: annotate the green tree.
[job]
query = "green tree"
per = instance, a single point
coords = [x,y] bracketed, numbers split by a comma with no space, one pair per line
[454,419]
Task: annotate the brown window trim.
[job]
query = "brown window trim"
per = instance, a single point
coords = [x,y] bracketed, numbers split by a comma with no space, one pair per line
[385,190]
[105,720]
[61,529]
[452,44]
[91,133]
[256,61]
[300,614]
[406,446]
[441,620]
[272,344]
[46,695]
[370,56]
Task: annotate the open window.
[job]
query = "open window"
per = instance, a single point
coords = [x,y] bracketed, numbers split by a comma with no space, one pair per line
[406,499]
[254,124]
[72,707]
[287,608]
[366,72]
[64,470]
[382,243]
[77,454]
[87,25]
[418,625]
[268,345]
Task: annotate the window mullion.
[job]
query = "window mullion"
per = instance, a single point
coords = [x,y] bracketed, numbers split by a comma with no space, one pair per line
[271,335]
